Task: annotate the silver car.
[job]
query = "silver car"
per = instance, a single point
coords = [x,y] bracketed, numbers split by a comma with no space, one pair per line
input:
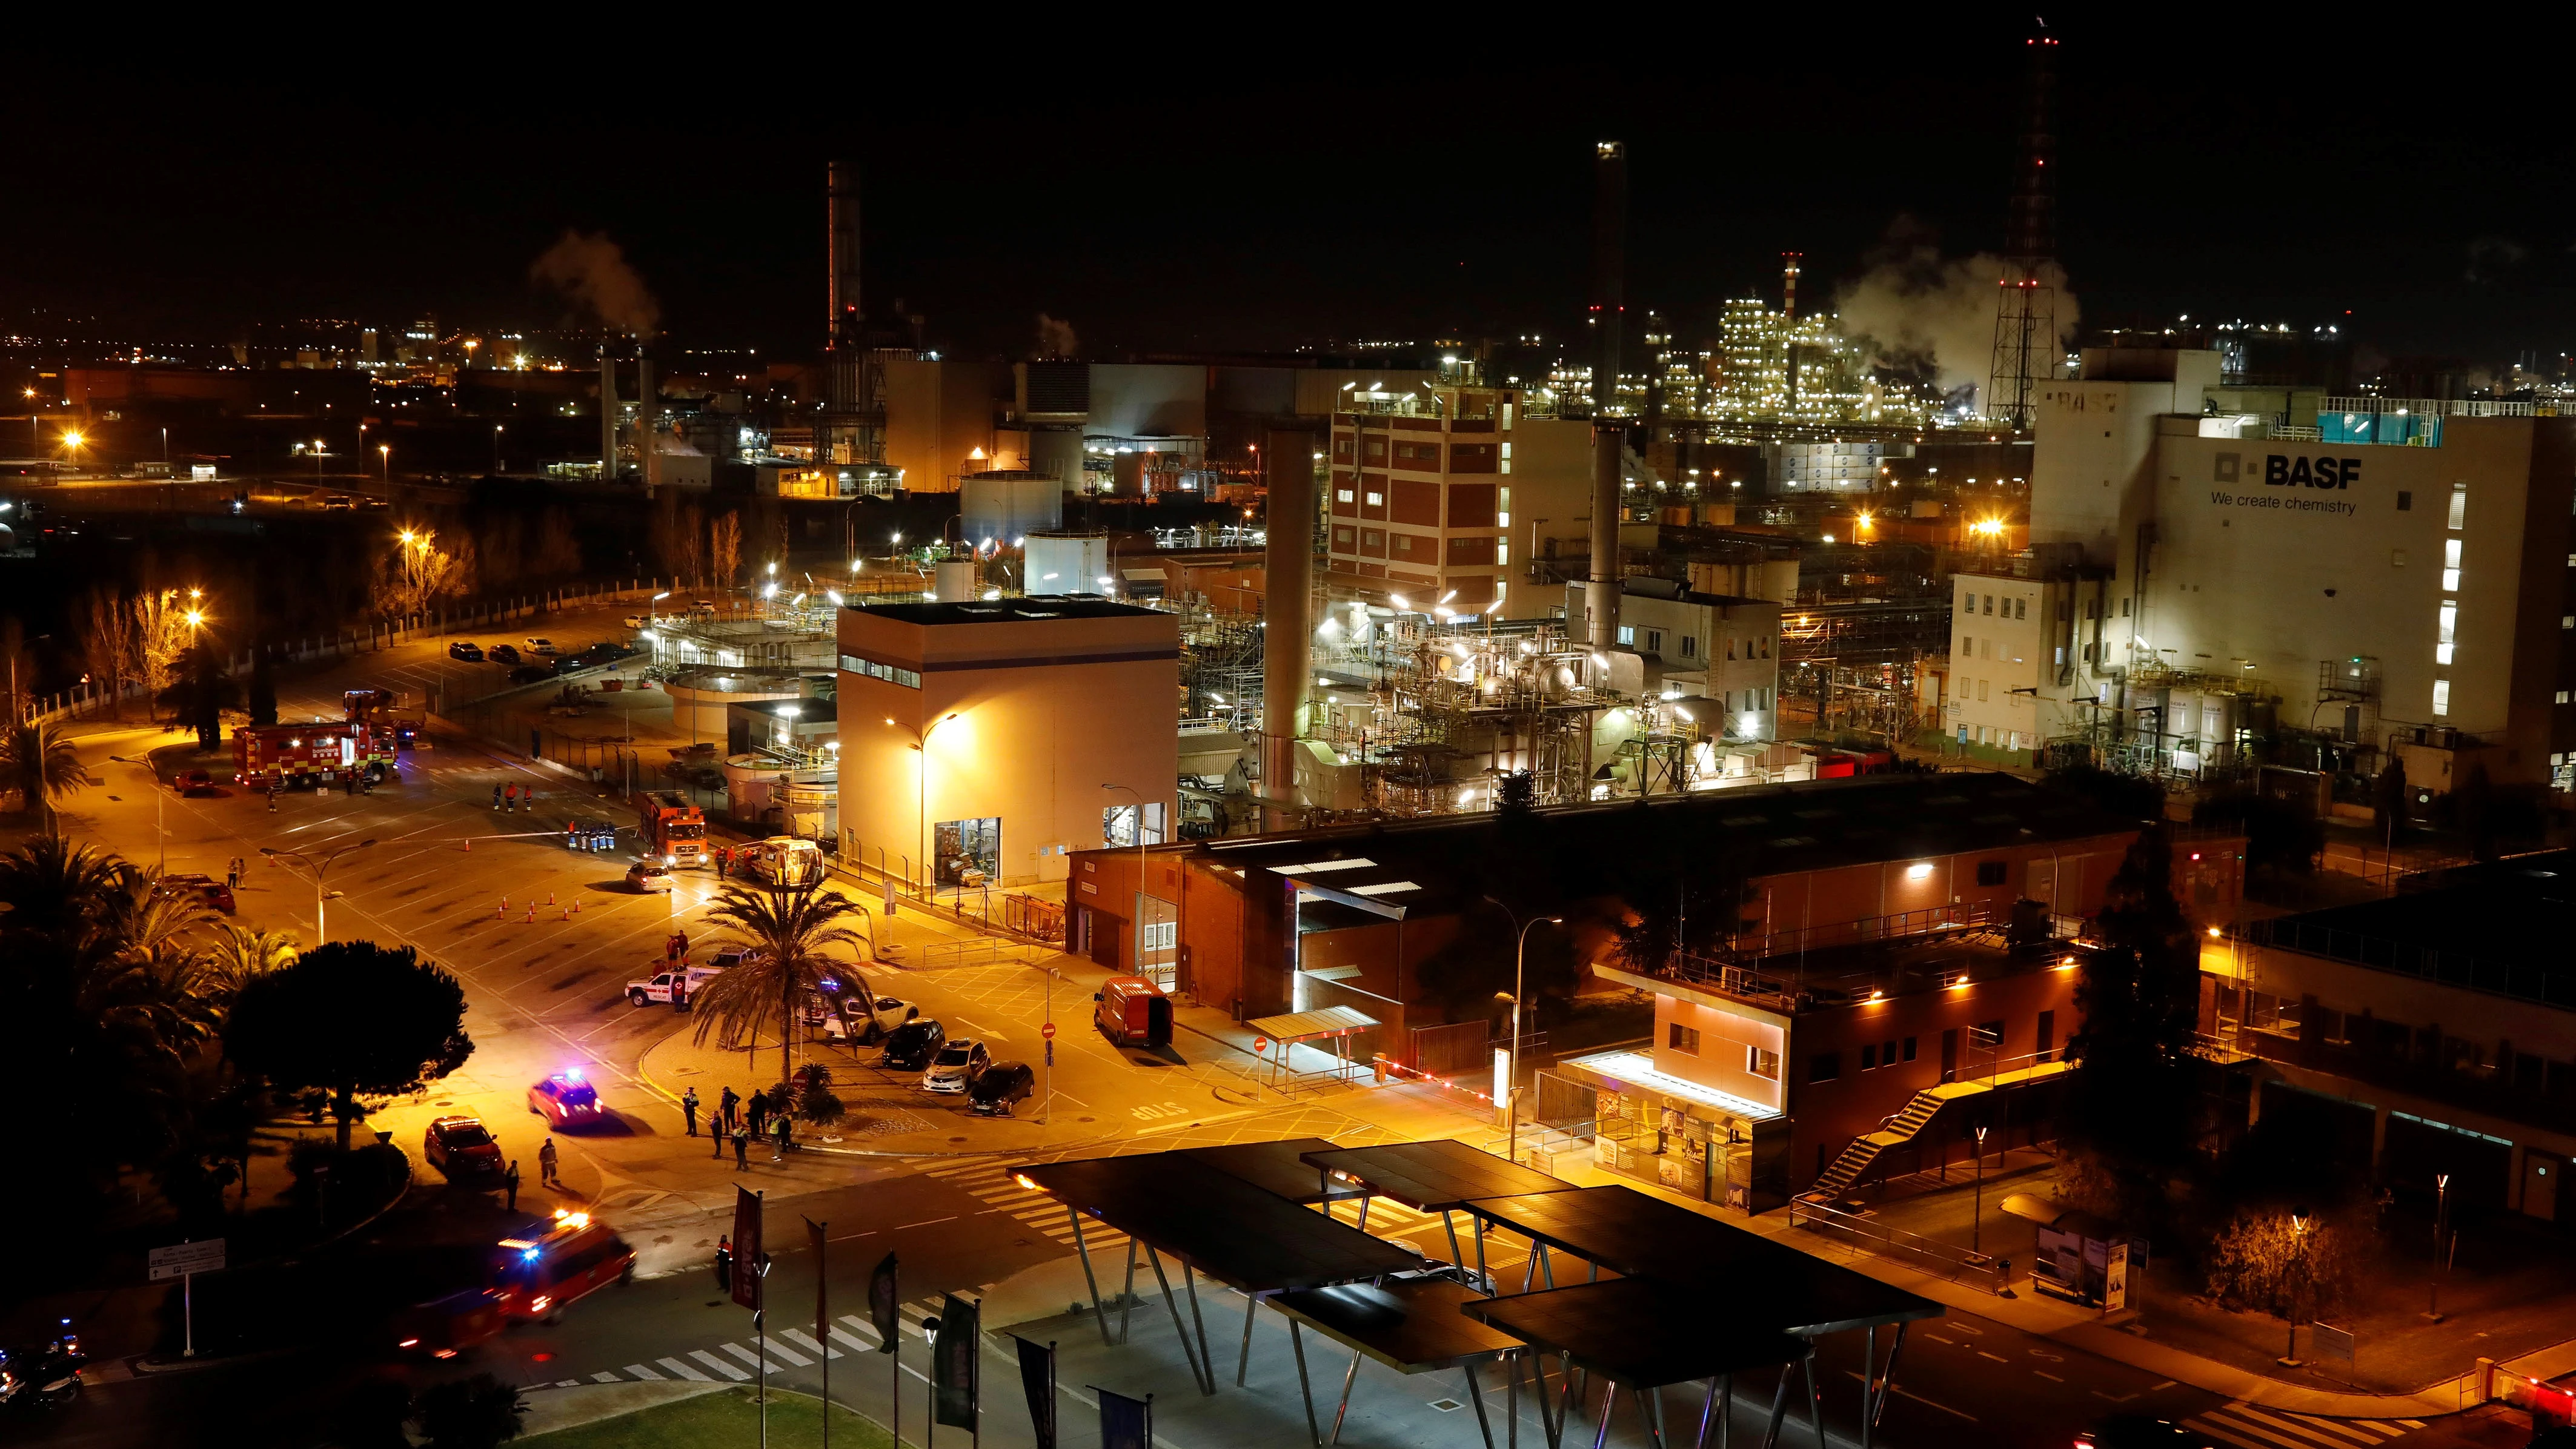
[957,1066]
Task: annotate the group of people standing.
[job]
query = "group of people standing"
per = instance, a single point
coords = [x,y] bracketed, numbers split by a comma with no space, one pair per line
[739,1119]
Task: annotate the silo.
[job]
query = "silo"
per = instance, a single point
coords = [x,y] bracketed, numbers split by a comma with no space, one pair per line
[1067,563]
[1008,506]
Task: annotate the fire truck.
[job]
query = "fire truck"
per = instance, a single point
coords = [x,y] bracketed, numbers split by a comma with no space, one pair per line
[315,753]
[387,726]
[671,827]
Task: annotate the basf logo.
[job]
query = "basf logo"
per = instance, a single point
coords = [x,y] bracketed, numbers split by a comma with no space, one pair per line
[2287,471]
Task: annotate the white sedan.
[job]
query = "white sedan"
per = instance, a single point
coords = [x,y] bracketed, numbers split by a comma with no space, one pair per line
[648,875]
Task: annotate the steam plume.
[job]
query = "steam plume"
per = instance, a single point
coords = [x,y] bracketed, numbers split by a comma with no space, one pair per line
[1920,313]
[592,271]
[1055,337]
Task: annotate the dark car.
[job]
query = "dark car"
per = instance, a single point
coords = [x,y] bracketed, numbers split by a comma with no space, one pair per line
[502,654]
[216,894]
[2140,1431]
[470,653]
[463,1149]
[910,1047]
[565,1100]
[194,782]
[998,1086]
[531,674]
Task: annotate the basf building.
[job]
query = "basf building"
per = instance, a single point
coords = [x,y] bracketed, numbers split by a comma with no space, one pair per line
[2391,579]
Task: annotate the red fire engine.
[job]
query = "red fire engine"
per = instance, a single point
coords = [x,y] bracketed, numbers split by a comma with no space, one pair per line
[313,753]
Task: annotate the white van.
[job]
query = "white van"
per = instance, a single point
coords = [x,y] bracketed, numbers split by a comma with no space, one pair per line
[787,861]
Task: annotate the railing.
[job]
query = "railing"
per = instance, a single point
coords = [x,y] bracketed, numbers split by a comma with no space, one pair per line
[1945,1260]
[2439,407]
[2520,980]
[1963,916]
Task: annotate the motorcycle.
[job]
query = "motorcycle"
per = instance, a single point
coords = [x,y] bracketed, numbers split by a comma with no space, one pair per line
[43,1379]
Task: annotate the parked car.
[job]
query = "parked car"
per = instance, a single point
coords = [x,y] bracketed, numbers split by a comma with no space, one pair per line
[502,654]
[462,1148]
[648,876]
[565,1100]
[213,892]
[1133,1011]
[958,1064]
[639,621]
[658,987]
[531,674]
[338,501]
[470,653]
[194,782]
[871,1017]
[542,646]
[909,1047]
[998,1086]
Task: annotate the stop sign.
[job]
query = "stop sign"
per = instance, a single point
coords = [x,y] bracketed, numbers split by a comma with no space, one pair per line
[1047,1031]
[1260,1044]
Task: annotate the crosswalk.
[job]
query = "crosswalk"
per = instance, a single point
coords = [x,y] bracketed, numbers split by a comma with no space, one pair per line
[2248,1426]
[991,1183]
[790,1348]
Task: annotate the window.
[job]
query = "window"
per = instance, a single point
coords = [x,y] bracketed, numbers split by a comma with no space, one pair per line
[1683,1038]
[1869,1057]
[2405,501]
[2450,619]
[1627,634]
[1990,605]
[1981,691]
[2459,505]
[1376,500]
[1654,641]
[1118,824]
[2021,608]
[1824,1066]
[1990,872]
[1404,543]
[2441,696]
[1690,647]
[1762,1063]
[1909,1048]
[907,678]
[1887,1054]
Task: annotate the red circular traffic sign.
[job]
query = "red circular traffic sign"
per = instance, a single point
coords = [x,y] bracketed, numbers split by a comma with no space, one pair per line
[1260,1044]
[1047,1031]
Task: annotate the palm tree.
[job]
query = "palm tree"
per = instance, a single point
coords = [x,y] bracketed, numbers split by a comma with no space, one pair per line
[36,758]
[784,934]
[236,954]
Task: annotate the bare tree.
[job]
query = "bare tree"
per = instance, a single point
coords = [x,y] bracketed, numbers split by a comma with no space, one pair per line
[109,642]
[690,557]
[162,631]
[418,575]
[724,548]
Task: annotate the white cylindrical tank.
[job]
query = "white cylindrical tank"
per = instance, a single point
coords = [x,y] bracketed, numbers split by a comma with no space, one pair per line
[1005,507]
[1067,563]
[955,582]
[1057,452]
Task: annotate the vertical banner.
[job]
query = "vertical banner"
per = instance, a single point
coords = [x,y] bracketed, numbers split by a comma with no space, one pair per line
[1037,1380]
[747,1254]
[1125,1423]
[885,1304]
[953,1364]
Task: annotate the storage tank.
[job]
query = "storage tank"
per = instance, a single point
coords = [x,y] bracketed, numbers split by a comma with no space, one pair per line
[1057,452]
[1066,563]
[1005,507]
[955,581]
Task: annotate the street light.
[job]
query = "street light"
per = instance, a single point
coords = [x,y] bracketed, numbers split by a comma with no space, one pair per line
[1137,951]
[1977,1223]
[2290,1310]
[160,841]
[1520,961]
[496,446]
[320,868]
[2441,1224]
[385,456]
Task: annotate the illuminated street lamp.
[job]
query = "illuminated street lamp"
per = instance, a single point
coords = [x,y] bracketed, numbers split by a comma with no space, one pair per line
[385,456]
[320,868]
[1520,961]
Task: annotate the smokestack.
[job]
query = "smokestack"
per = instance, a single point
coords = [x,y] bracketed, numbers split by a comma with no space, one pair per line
[1288,469]
[1789,284]
[648,421]
[607,415]
[2026,341]
[841,218]
[1601,589]
[1609,270]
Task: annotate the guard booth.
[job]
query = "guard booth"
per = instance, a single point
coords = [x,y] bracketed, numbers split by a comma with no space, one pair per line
[2073,1255]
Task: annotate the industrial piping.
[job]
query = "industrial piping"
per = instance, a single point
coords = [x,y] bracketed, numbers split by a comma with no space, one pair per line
[1601,586]
[1288,560]
[607,415]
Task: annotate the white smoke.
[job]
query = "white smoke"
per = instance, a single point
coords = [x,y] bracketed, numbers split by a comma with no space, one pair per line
[1917,312]
[592,271]
[1055,337]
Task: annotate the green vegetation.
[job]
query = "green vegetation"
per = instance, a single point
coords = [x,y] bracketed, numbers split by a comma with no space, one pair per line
[791,931]
[43,767]
[729,1416]
[352,1017]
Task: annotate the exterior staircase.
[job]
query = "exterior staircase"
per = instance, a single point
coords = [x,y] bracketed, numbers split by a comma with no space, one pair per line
[1920,1113]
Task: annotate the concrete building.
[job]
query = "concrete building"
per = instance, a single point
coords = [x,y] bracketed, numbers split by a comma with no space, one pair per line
[2192,577]
[1702,646]
[941,417]
[982,735]
[2428,1033]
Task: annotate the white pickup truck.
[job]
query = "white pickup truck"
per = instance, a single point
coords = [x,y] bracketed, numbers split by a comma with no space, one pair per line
[658,988]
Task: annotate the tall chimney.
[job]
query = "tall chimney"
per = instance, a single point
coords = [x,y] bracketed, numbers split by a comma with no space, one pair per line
[1789,284]
[607,414]
[648,421]
[1609,270]
[1601,588]
[841,216]
[1288,469]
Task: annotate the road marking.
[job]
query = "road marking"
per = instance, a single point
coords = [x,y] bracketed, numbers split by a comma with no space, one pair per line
[1918,1398]
[2052,1378]
[2165,1385]
[843,1336]
[899,1227]
[641,1372]
[863,1326]
[2120,1399]
[605,1378]
[2337,1433]
[1936,1338]
[805,1341]
[1999,1358]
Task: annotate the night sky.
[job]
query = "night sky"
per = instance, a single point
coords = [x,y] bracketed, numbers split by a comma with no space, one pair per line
[1162,184]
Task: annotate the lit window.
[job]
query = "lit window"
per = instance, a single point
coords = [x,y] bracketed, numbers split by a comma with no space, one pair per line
[2450,553]
[2459,505]
[1376,500]
[2441,696]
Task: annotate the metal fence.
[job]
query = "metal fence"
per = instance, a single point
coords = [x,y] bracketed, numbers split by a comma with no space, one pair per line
[1452,1048]
[1946,1260]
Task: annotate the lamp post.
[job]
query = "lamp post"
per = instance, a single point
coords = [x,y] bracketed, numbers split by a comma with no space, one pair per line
[921,807]
[320,868]
[2298,1260]
[1977,1222]
[385,458]
[1137,951]
[496,446]
[317,462]
[1520,963]
[2441,1227]
[160,841]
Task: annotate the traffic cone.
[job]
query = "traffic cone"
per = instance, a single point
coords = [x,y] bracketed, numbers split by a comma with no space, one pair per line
[576,908]
[469,845]
[505,909]
[550,898]
[532,910]
[567,915]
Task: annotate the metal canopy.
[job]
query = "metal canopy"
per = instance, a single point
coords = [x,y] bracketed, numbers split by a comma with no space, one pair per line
[1433,1176]
[1275,1167]
[1767,1283]
[1223,1226]
[1411,1326]
[1323,1021]
[1638,1332]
